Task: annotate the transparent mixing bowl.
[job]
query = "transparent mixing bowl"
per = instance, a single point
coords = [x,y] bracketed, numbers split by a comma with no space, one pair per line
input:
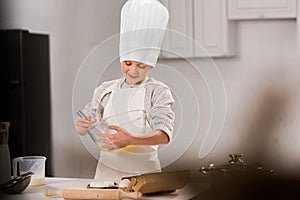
[134,122]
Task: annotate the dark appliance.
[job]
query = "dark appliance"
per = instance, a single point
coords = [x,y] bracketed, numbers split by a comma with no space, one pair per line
[25,92]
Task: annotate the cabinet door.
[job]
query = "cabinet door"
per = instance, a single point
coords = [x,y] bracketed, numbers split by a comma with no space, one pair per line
[178,37]
[212,29]
[261,9]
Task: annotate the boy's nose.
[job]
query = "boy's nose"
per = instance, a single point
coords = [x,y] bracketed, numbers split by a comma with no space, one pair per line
[133,67]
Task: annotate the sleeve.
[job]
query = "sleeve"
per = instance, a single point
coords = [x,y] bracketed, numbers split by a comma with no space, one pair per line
[96,97]
[161,113]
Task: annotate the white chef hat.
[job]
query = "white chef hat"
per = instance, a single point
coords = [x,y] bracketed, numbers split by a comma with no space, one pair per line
[143,23]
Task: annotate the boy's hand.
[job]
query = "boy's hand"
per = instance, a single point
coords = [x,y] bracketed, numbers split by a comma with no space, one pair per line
[83,124]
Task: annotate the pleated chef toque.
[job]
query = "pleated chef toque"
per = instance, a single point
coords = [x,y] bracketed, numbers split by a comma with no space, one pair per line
[143,23]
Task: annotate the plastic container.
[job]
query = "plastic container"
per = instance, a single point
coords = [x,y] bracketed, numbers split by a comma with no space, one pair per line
[35,164]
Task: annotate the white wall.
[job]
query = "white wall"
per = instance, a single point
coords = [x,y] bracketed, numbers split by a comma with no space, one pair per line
[262,84]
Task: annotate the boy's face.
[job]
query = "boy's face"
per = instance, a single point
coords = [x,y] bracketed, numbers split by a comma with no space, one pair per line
[134,72]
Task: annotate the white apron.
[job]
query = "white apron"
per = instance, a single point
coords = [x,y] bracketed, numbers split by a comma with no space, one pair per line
[131,160]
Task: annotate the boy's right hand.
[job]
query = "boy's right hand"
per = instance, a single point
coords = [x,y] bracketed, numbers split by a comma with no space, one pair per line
[83,124]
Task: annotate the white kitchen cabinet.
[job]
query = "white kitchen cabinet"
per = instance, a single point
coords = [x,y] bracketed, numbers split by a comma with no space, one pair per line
[201,22]
[261,9]
[177,42]
[212,29]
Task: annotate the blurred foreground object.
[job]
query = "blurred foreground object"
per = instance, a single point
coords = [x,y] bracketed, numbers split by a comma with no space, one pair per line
[5,172]
[240,180]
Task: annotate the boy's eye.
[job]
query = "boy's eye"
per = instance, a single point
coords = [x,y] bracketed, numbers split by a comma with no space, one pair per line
[142,66]
[128,63]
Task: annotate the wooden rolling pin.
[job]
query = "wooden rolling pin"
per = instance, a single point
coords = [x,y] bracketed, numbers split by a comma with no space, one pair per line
[108,194]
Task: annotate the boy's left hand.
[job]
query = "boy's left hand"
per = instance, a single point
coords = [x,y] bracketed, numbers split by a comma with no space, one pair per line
[120,139]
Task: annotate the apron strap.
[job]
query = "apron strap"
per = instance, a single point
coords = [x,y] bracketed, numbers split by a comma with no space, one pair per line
[106,92]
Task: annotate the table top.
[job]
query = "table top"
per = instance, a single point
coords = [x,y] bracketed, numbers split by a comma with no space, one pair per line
[37,192]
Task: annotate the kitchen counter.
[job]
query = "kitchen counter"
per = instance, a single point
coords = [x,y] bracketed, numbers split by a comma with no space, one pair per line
[37,192]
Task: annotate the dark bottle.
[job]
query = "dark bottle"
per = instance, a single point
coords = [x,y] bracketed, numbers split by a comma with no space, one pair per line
[5,171]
